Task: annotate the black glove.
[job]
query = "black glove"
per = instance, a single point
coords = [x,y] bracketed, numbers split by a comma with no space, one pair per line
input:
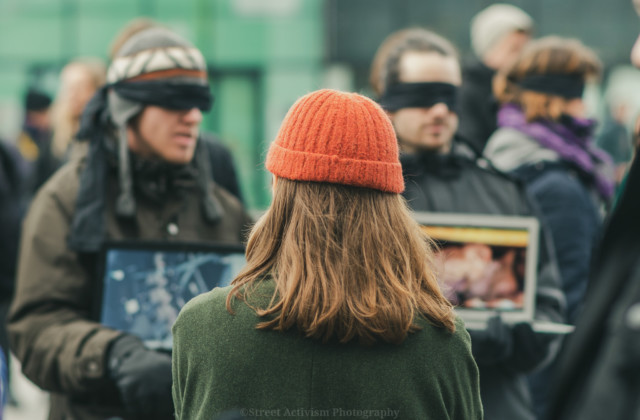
[529,347]
[143,378]
[493,344]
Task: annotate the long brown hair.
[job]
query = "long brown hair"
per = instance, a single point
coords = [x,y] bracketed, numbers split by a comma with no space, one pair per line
[347,262]
[548,55]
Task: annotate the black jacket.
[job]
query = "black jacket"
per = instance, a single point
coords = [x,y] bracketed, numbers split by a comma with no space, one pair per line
[13,201]
[599,374]
[477,107]
[44,164]
[223,171]
[455,184]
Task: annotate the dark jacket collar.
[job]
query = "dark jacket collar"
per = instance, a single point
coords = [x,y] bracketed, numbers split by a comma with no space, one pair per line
[477,72]
[447,165]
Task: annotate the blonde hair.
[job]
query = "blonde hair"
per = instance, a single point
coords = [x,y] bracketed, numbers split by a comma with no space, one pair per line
[548,55]
[65,124]
[348,263]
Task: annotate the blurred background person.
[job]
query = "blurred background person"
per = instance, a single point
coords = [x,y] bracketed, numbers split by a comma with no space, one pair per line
[4,382]
[546,141]
[419,82]
[79,81]
[635,136]
[616,139]
[498,34]
[34,141]
[598,372]
[620,109]
[15,190]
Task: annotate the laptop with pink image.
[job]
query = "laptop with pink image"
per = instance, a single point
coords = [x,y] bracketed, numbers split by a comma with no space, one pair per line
[486,265]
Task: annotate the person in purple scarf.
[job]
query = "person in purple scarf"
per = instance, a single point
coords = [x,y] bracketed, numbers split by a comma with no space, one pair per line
[544,139]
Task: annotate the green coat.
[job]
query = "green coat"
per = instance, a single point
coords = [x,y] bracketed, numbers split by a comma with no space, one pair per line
[51,332]
[221,362]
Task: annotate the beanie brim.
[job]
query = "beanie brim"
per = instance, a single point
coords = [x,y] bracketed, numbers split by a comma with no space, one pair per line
[305,166]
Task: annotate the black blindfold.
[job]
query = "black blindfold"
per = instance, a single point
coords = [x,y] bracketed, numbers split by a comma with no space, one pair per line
[419,95]
[178,96]
[563,85]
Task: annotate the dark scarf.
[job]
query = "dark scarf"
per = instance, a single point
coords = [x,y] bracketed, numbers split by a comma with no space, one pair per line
[478,73]
[445,166]
[88,230]
[158,180]
[570,138]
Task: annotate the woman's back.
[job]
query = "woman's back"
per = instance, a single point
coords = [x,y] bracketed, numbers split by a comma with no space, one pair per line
[285,375]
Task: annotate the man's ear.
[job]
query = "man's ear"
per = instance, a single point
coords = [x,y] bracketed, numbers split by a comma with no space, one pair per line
[134,122]
[132,131]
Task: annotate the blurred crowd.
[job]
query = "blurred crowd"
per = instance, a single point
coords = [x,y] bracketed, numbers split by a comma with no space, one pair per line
[118,155]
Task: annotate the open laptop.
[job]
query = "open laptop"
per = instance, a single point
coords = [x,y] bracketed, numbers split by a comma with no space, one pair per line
[143,285]
[487,265]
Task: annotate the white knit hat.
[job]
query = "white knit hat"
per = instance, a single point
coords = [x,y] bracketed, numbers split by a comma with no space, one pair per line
[494,22]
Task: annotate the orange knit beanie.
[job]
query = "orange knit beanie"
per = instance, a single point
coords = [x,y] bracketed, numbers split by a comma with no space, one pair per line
[340,138]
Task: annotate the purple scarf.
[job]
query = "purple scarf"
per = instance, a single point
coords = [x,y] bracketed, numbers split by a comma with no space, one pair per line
[571,139]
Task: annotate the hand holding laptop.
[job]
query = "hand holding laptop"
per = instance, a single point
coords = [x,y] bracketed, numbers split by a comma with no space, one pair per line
[143,285]
[519,343]
[142,376]
[492,344]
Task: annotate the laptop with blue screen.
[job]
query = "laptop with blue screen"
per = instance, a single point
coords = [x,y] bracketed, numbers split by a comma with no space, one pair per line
[143,285]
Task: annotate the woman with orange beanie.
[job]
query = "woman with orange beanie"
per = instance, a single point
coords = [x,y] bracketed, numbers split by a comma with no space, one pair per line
[338,312]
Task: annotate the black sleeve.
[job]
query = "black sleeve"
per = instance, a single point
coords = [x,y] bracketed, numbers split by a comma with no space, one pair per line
[223,170]
[518,348]
[477,113]
[533,350]
[13,200]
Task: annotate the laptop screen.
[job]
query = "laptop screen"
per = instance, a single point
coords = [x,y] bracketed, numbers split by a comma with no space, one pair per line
[145,284]
[485,264]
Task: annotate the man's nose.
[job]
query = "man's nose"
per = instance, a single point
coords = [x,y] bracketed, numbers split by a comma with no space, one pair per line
[439,109]
[192,116]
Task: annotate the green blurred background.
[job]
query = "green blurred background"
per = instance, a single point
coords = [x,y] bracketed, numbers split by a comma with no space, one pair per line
[261,57]
[264,54]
